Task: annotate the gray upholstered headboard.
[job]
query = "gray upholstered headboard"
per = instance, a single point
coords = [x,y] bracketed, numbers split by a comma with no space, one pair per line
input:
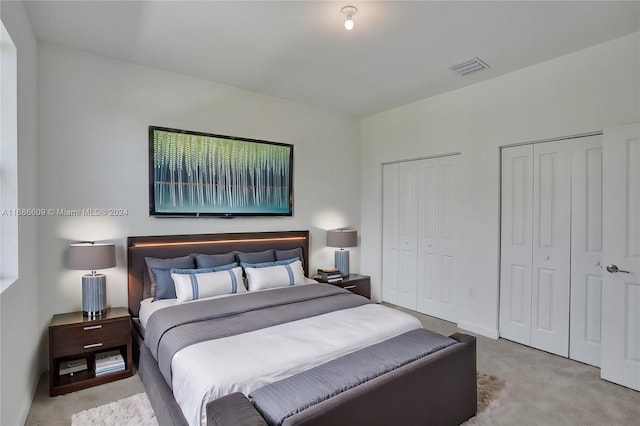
[167,246]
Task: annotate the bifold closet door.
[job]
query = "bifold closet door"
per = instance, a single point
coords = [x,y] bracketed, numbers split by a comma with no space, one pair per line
[399,237]
[551,279]
[407,234]
[535,245]
[436,243]
[418,248]
[586,251]
[516,243]
[390,240]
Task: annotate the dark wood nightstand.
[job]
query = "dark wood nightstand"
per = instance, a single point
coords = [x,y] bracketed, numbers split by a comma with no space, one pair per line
[356,283]
[73,336]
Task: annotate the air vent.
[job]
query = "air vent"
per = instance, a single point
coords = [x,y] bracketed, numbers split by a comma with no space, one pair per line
[475,64]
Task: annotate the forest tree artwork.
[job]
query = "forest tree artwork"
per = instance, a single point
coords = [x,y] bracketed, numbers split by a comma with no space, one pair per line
[199,174]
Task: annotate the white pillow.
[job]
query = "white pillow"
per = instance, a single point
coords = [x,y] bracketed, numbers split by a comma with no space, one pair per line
[198,285]
[275,276]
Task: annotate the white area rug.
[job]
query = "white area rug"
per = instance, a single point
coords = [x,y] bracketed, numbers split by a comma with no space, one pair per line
[490,390]
[135,410]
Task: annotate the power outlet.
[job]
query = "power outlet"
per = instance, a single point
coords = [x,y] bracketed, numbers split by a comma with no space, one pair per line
[471,292]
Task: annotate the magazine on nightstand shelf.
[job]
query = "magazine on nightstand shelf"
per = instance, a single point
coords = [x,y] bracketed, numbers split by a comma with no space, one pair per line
[109,362]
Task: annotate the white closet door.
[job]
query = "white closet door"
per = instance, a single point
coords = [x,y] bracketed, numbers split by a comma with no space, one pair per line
[516,243]
[621,247]
[390,240]
[586,250]
[551,247]
[408,234]
[437,251]
[428,270]
[447,250]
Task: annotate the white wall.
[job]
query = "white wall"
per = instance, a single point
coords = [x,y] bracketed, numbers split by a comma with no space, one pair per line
[578,93]
[21,329]
[93,120]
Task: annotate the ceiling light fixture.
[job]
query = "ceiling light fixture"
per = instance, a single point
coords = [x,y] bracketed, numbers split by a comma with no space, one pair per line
[349,12]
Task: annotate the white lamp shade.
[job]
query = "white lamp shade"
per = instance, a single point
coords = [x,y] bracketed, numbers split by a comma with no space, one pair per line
[90,256]
[342,238]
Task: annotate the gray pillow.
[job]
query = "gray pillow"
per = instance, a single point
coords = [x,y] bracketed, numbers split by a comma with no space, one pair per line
[176,262]
[164,288]
[256,257]
[213,260]
[290,254]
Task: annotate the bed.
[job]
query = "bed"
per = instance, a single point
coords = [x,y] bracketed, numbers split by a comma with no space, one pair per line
[303,354]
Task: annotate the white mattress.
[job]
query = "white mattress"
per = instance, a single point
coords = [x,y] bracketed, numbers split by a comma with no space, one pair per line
[208,370]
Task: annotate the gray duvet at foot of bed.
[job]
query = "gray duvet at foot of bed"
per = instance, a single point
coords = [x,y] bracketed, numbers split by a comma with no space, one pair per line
[279,400]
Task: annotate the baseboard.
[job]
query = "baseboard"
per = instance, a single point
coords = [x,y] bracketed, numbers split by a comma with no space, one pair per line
[491,333]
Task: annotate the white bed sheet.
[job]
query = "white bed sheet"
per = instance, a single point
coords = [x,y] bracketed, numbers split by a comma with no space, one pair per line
[208,370]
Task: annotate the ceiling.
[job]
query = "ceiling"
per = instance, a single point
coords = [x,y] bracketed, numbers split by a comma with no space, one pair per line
[398,52]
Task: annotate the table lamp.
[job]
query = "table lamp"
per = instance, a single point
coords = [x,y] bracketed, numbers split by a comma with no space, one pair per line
[92,256]
[342,238]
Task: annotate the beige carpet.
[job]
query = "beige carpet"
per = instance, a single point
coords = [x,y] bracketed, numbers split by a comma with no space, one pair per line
[136,409]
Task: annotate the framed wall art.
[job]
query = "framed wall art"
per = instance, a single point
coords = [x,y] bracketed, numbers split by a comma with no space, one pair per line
[201,174]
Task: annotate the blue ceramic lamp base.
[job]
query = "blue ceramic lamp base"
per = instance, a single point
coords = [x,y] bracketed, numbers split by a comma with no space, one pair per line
[342,261]
[94,295]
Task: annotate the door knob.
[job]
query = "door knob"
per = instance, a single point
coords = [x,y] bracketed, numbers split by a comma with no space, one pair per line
[613,269]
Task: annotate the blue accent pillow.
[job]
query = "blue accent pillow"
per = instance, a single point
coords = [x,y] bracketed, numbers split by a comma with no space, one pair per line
[165,289]
[256,257]
[214,260]
[266,264]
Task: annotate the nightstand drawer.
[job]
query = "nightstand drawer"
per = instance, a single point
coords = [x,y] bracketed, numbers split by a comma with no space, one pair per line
[356,283]
[78,339]
[358,287]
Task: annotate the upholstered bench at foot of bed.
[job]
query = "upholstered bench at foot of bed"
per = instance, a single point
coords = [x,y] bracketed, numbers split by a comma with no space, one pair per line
[233,410]
[439,389]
